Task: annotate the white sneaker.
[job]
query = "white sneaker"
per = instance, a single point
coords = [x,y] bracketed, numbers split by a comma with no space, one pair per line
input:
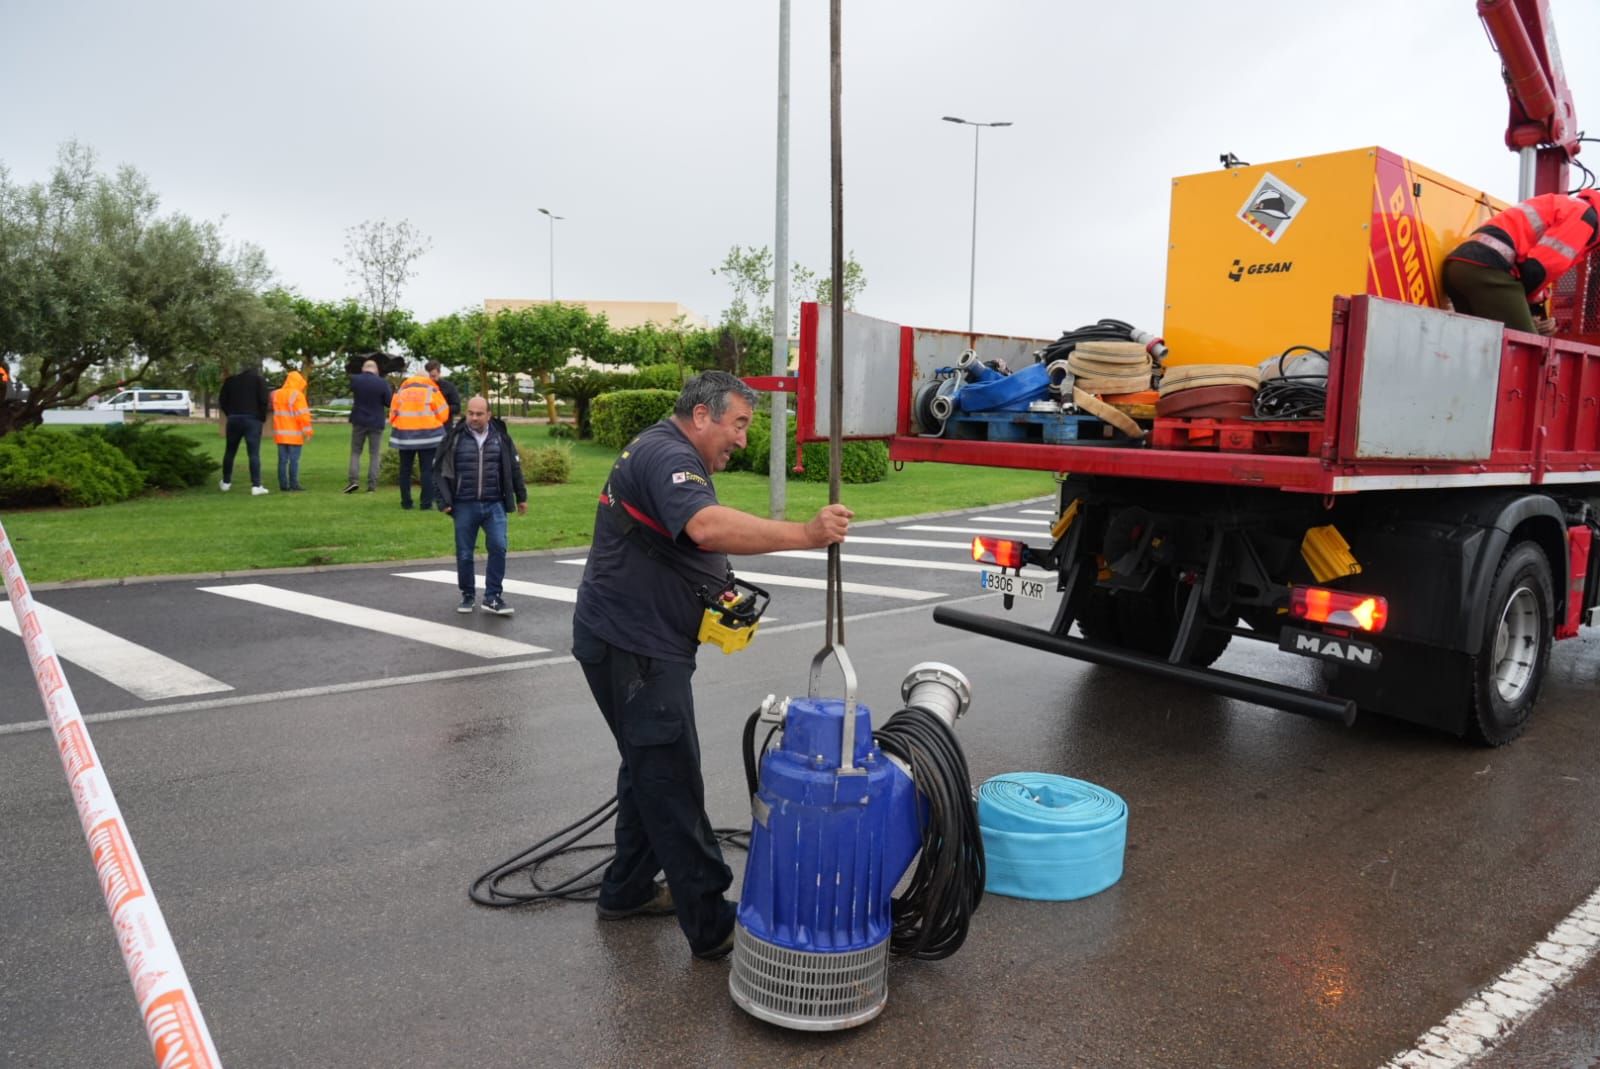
[224,487]
[257,491]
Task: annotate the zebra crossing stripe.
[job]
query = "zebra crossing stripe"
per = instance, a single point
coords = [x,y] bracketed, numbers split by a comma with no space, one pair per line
[1038,512]
[976,531]
[806,582]
[918,543]
[1009,519]
[136,669]
[897,562]
[389,623]
[510,586]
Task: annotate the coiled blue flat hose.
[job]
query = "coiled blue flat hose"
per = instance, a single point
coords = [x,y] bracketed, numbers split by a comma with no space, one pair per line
[1049,837]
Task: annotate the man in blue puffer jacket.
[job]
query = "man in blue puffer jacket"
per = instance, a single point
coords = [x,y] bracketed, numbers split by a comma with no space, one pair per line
[478,479]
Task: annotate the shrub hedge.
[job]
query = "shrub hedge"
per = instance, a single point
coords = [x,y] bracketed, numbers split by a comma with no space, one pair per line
[861,462]
[545,464]
[167,460]
[44,466]
[618,416]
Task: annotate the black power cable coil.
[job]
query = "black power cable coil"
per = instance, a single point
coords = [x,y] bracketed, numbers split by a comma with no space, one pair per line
[490,890]
[1101,330]
[931,919]
[1292,397]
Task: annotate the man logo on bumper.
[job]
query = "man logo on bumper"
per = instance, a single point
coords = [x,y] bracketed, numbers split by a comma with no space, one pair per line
[1349,651]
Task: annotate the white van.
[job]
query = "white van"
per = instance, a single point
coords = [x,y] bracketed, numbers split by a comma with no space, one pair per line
[155,402]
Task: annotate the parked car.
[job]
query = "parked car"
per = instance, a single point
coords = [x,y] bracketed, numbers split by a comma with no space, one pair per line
[156,402]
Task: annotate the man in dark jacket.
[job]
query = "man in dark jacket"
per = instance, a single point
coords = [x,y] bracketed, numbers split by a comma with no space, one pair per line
[244,399]
[452,396]
[478,479]
[369,412]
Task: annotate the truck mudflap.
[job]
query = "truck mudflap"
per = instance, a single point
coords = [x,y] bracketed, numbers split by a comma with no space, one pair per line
[1272,695]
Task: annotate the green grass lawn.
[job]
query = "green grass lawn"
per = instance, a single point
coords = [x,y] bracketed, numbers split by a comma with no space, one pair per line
[204,530]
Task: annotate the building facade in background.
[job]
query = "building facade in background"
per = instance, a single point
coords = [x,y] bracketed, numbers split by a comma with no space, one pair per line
[619,314]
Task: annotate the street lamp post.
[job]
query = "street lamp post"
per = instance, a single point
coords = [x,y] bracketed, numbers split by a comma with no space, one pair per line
[552,217]
[972,270]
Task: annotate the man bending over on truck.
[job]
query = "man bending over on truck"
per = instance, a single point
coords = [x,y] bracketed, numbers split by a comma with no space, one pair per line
[1513,260]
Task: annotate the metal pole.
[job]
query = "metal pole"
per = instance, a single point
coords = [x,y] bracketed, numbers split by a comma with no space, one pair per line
[972,269]
[552,216]
[778,454]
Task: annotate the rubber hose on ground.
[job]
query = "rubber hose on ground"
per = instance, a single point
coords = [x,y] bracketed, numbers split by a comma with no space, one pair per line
[1050,837]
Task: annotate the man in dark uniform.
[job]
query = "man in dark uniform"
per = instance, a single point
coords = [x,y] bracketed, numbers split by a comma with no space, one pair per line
[659,536]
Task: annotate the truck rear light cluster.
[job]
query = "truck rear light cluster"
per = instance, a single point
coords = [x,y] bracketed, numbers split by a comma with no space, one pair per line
[1001,552]
[1336,608]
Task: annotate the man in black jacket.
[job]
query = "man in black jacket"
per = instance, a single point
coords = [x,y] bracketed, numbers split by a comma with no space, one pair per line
[244,399]
[452,396]
[369,414]
[478,479]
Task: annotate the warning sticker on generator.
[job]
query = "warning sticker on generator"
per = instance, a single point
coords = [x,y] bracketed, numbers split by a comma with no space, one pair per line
[1272,206]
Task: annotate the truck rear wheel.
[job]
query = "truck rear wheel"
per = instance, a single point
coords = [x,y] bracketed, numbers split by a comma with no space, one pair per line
[1518,630]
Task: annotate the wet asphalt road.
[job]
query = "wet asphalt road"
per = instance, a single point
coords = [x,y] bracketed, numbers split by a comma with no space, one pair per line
[1295,893]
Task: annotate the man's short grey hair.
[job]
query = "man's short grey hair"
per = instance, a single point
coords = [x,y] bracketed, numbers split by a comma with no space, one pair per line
[370,365]
[711,388]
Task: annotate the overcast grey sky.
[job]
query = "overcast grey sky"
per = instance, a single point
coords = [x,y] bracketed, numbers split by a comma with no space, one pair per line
[651,127]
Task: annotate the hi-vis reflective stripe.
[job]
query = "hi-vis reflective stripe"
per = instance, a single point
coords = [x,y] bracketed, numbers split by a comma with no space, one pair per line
[1535,220]
[172,1019]
[1498,246]
[1561,247]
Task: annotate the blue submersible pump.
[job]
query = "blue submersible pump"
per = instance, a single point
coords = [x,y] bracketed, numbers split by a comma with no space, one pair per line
[840,813]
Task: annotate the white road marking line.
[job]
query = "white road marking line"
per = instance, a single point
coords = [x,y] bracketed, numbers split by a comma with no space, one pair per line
[1484,1021]
[389,623]
[510,586]
[898,562]
[401,681]
[1009,519]
[921,543]
[805,582]
[142,672]
[866,589]
[1038,512]
[975,530]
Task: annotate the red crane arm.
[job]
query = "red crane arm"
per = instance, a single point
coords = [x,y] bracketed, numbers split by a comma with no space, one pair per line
[1542,114]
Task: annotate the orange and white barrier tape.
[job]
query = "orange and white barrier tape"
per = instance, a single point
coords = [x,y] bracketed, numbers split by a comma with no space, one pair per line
[172,1019]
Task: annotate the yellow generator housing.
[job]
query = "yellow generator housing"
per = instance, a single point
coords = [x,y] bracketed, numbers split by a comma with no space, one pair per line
[1257,253]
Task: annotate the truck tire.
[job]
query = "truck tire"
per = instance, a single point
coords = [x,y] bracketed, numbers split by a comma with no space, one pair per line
[1510,666]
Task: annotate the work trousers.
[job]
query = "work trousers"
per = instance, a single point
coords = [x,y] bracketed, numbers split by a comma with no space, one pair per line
[372,439]
[246,429]
[425,458]
[471,517]
[288,467]
[1487,292]
[661,798]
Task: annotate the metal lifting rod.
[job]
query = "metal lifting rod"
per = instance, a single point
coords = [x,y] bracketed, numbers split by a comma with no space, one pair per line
[834,639]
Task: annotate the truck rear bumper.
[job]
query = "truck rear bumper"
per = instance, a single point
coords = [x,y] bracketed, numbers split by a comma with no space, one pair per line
[1273,695]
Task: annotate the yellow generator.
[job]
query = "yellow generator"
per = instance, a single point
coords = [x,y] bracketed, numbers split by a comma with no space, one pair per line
[1257,253]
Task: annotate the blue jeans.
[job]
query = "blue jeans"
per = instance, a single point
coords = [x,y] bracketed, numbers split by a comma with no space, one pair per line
[288,467]
[248,430]
[470,517]
[424,458]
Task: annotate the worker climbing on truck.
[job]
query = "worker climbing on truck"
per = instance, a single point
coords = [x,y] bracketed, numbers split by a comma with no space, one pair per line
[1511,262]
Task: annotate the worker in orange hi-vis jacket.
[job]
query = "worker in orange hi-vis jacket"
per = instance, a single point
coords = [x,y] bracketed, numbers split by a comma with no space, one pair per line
[1512,261]
[418,413]
[291,428]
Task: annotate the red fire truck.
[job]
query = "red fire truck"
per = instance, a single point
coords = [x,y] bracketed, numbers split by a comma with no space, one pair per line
[1427,535]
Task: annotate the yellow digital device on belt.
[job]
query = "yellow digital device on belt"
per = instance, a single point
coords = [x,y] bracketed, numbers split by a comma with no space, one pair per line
[733,614]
